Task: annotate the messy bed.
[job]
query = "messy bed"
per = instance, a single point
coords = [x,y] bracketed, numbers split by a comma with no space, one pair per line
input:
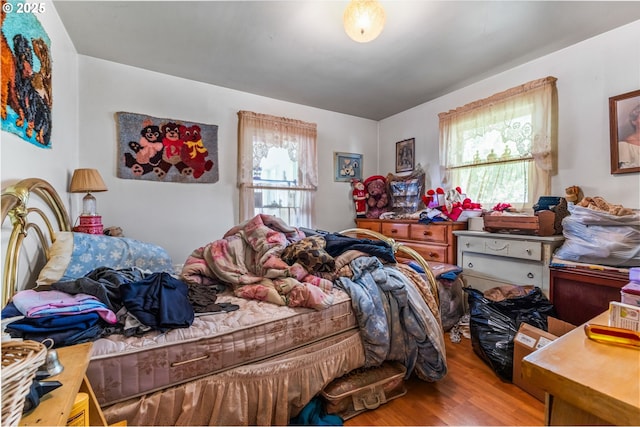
[251,328]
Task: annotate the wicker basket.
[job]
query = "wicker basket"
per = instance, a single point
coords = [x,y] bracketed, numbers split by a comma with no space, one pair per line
[20,361]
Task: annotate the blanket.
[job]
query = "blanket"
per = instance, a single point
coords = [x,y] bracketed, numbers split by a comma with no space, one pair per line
[248,258]
[396,323]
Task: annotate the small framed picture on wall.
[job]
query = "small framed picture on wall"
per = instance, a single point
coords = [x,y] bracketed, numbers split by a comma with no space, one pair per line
[405,155]
[347,166]
[624,122]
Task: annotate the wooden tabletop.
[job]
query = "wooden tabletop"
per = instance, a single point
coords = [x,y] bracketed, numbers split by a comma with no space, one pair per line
[601,379]
[54,407]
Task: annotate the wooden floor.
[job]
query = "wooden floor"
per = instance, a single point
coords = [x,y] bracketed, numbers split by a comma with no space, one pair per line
[470,395]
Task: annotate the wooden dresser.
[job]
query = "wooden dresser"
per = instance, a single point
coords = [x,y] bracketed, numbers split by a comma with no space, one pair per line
[579,294]
[434,241]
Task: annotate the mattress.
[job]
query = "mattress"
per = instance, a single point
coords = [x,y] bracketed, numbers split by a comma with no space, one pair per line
[125,367]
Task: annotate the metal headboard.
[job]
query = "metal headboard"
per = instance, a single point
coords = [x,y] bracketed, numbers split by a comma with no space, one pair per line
[402,248]
[15,205]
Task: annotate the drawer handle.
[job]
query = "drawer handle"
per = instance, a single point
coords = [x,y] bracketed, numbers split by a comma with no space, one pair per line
[467,244]
[394,231]
[528,251]
[426,233]
[433,255]
[184,362]
[530,275]
[470,265]
[496,248]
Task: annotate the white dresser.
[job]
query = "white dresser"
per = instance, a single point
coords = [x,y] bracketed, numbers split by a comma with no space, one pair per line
[496,259]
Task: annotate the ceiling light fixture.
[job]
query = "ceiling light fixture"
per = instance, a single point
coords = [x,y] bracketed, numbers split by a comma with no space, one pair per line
[364,20]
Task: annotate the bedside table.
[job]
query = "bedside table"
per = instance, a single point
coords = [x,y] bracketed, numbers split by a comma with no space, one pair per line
[55,407]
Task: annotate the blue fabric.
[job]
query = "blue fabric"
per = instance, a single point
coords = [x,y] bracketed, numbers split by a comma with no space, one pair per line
[91,251]
[338,244]
[62,329]
[394,319]
[368,308]
[159,301]
[314,414]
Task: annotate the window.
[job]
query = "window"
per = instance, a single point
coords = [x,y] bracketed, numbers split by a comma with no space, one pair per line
[278,171]
[499,149]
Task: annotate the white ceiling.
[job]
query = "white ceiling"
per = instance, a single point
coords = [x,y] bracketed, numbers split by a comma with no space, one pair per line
[298,51]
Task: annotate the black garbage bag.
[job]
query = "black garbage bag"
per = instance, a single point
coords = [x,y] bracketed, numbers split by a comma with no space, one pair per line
[493,325]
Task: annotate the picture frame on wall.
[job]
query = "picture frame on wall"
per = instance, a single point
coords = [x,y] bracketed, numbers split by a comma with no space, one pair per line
[405,155]
[347,166]
[624,122]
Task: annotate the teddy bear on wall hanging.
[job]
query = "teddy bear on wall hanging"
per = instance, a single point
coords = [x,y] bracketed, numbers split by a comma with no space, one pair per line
[378,201]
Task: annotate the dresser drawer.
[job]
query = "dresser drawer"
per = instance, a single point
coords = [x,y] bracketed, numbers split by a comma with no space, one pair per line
[429,252]
[515,272]
[373,225]
[522,249]
[428,233]
[395,230]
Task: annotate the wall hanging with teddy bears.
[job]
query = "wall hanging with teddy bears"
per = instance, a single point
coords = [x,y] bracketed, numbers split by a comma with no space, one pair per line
[154,149]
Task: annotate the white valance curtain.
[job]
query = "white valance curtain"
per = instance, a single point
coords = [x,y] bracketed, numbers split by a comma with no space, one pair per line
[523,122]
[257,133]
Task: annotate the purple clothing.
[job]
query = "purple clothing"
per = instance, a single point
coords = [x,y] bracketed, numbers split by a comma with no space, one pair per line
[46,303]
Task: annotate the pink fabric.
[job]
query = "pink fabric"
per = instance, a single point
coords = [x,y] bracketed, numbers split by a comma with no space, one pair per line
[248,257]
[45,303]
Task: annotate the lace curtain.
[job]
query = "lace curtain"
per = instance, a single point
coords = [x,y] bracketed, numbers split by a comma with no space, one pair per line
[508,139]
[257,133]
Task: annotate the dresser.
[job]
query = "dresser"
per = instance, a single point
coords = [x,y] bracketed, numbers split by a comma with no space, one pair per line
[579,294]
[496,259]
[434,241]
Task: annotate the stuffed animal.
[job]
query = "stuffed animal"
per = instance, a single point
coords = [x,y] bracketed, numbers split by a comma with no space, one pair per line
[378,201]
[573,194]
[359,198]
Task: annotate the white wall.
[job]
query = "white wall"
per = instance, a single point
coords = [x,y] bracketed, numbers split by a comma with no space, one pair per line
[182,217]
[20,159]
[588,74]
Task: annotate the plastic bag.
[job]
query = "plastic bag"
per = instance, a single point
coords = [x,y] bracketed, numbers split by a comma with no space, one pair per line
[494,325]
[406,191]
[596,237]
[451,302]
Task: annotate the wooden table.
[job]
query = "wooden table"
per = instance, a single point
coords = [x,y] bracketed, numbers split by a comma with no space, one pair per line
[54,407]
[586,382]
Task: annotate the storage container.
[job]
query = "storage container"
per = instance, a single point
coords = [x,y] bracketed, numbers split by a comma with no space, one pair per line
[364,389]
[630,293]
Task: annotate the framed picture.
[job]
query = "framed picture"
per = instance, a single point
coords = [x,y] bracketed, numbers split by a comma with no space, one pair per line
[624,121]
[405,155]
[347,166]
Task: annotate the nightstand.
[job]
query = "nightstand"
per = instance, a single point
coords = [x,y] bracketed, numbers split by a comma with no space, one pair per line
[55,407]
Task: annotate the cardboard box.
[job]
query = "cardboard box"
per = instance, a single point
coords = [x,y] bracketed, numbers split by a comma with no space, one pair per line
[529,339]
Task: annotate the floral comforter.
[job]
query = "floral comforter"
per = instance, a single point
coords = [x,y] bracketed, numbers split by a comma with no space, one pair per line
[248,258]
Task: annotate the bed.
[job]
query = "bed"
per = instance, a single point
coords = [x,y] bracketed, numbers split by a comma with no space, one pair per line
[249,361]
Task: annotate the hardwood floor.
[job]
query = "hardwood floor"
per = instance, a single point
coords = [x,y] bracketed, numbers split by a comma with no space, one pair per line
[471,395]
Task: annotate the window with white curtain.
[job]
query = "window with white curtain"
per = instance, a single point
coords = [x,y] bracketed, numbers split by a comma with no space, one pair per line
[277,168]
[500,149]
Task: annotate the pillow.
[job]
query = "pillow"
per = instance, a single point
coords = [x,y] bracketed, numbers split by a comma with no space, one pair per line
[73,255]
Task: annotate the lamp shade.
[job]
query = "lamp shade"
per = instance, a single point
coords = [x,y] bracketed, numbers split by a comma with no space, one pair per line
[364,20]
[86,181]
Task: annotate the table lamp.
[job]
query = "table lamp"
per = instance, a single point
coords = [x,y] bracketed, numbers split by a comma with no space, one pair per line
[87,181]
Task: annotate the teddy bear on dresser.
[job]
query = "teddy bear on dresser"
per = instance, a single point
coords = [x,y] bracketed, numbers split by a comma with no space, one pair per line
[378,201]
